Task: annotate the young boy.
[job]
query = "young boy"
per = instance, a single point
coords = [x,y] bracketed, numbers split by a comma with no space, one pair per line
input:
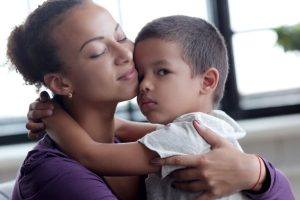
[182,65]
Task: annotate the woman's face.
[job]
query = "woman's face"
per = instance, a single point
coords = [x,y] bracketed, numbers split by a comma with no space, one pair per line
[96,55]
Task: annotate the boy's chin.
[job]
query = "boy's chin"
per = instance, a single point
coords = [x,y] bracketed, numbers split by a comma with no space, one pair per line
[154,120]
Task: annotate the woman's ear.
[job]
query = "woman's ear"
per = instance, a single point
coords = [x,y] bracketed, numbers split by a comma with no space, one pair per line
[58,84]
[210,79]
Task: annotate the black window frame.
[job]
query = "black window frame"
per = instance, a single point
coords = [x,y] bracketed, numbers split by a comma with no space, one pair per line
[232,101]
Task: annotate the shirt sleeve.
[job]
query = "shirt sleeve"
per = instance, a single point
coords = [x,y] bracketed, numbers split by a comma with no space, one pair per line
[279,186]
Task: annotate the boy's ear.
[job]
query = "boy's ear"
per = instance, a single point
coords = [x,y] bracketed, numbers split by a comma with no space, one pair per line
[210,79]
[58,84]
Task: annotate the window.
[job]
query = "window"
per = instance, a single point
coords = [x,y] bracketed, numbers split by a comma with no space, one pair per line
[263,79]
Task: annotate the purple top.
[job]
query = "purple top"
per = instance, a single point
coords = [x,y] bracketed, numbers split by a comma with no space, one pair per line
[47,173]
[279,188]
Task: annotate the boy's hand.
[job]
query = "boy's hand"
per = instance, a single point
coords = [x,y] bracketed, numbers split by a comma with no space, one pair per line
[41,108]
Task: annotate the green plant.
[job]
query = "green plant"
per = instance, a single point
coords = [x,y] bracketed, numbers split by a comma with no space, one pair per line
[288,37]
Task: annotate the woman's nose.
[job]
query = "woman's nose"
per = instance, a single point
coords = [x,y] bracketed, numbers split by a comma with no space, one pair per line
[123,53]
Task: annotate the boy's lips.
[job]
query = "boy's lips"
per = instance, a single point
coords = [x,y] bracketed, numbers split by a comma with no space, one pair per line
[147,103]
[129,75]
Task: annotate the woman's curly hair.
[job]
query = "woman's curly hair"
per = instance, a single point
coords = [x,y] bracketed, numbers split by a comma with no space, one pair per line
[31,49]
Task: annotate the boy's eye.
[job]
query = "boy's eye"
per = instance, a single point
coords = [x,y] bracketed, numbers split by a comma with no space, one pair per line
[162,72]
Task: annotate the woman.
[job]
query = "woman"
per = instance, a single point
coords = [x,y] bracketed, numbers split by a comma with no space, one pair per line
[86,59]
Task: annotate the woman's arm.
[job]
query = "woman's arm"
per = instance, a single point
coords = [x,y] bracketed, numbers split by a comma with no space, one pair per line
[275,186]
[225,170]
[105,159]
[129,131]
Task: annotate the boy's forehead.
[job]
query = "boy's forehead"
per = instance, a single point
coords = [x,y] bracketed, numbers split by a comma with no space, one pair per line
[156,47]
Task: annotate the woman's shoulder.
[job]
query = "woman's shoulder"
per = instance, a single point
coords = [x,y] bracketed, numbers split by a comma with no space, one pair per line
[47,171]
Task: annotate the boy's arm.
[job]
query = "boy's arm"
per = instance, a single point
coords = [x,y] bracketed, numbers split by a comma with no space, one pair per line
[129,131]
[104,159]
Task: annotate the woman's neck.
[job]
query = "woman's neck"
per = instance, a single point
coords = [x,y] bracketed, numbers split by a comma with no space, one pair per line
[97,121]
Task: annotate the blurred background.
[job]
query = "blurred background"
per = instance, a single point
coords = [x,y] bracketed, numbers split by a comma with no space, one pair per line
[262,92]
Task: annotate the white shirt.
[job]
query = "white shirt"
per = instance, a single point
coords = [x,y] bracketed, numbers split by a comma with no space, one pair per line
[181,138]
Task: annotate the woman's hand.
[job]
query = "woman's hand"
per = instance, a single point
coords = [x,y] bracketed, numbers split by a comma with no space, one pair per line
[222,171]
[39,109]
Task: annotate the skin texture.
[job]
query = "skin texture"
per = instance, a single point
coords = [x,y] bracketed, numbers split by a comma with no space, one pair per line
[99,72]
[164,78]
[99,75]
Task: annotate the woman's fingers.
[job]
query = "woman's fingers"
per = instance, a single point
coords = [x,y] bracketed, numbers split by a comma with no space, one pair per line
[204,189]
[191,186]
[209,136]
[216,141]
[187,174]
[207,196]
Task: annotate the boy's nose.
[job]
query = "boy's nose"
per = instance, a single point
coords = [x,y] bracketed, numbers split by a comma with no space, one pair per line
[145,86]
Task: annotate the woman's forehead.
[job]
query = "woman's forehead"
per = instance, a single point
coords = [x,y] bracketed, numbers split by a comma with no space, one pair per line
[84,22]
[85,13]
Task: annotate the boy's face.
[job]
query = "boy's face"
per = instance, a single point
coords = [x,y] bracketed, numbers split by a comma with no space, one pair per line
[166,88]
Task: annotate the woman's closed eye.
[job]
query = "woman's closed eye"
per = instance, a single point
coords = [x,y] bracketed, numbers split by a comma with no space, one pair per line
[96,55]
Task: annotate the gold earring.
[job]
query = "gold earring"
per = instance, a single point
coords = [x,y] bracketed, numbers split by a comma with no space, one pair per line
[70,95]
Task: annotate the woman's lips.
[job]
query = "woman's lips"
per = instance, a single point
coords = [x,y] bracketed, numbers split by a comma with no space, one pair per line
[129,75]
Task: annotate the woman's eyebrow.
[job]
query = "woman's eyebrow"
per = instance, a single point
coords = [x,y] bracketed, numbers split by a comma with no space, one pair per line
[97,38]
[90,40]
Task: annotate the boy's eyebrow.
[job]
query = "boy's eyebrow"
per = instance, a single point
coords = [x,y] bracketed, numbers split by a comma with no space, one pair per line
[160,62]
[97,38]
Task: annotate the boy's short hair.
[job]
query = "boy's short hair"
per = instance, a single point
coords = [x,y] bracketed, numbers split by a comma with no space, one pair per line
[202,44]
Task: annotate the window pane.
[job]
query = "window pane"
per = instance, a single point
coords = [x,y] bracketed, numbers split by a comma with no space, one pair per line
[261,65]
[261,14]
[15,96]
[136,13]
